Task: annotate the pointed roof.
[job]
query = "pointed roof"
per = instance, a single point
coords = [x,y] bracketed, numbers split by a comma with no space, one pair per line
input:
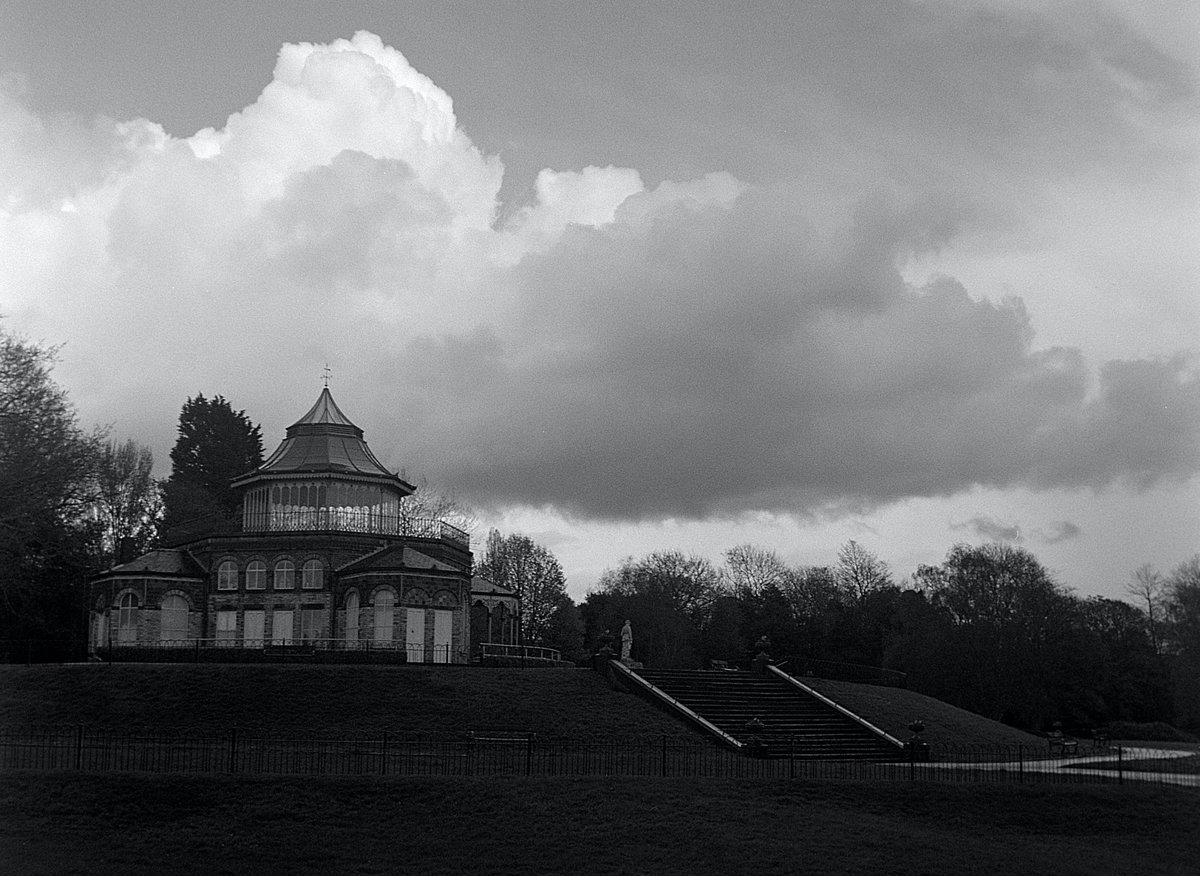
[325,411]
[325,441]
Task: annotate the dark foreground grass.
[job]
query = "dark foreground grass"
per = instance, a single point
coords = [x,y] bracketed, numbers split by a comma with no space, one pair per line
[149,824]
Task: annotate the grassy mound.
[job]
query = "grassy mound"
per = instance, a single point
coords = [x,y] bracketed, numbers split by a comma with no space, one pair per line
[558,702]
[891,709]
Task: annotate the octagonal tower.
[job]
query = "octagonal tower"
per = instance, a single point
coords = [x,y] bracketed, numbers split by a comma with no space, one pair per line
[323,478]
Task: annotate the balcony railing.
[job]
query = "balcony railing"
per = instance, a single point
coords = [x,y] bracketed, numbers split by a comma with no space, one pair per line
[354,520]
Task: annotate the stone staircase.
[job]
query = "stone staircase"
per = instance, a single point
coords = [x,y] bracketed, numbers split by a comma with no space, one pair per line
[796,724]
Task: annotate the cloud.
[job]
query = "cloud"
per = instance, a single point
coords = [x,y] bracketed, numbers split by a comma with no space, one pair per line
[991,529]
[1063,530]
[695,348]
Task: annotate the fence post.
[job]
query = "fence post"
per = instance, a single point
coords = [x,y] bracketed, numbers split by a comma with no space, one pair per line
[383,764]
[233,749]
[528,753]
[664,755]
[912,762]
[1020,764]
[1120,765]
[79,747]
[791,757]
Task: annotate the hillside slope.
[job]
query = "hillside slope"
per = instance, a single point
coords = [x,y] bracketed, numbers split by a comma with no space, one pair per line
[574,703]
[558,702]
[891,709]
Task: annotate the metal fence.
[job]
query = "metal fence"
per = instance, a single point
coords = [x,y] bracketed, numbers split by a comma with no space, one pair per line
[505,753]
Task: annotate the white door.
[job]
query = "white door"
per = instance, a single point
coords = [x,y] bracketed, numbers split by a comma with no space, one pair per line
[281,628]
[415,639]
[442,624]
[252,628]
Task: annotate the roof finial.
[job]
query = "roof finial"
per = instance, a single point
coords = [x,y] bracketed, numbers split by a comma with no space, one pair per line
[325,374]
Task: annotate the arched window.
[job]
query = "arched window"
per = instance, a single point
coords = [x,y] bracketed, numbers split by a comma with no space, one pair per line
[174,626]
[385,611]
[227,574]
[352,616]
[285,575]
[256,575]
[127,619]
[314,575]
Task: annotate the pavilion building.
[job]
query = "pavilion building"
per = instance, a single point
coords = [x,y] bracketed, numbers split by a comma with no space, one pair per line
[326,559]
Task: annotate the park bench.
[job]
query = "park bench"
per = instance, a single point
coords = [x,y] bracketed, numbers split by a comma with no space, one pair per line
[1061,744]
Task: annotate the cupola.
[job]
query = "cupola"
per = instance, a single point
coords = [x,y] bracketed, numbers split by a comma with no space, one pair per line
[323,476]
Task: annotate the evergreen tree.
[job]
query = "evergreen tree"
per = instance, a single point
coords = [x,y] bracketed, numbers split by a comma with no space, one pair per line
[216,444]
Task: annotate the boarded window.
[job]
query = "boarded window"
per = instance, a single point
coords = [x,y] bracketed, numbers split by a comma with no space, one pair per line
[253,623]
[281,627]
[174,626]
[226,626]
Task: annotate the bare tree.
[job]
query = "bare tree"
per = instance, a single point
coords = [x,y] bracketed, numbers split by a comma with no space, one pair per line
[533,572]
[128,500]
[859,571]
[434,503]
[1150,590]
[750,569]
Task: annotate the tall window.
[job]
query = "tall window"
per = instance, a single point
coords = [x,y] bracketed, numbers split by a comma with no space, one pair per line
[285,575]
[252,627]
[227,575]
[281,627]
[127,618]
[314,575]
[352,616]
[256,575]
[385,612]
[226,627]
[310,624]
[174,626]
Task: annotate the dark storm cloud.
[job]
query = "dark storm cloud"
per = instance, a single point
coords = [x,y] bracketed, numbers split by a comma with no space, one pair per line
[693,362]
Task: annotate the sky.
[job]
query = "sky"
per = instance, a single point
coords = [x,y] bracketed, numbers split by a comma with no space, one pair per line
[629,277]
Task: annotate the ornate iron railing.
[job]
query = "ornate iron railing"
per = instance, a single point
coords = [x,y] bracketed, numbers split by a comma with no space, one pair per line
[354,520]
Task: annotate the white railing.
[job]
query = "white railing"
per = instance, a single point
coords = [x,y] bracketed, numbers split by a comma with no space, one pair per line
[495,649]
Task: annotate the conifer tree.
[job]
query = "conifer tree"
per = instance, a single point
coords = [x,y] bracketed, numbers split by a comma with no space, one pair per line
[216,444]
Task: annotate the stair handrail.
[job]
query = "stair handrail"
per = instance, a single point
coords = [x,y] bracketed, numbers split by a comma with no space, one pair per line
[665,697]
[820,696]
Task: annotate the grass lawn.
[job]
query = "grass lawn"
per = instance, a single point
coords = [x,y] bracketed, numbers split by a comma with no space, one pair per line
[66,823]
[891,709]
[577,703]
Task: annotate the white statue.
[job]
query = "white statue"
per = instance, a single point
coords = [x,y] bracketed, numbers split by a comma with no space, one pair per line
[626,640]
